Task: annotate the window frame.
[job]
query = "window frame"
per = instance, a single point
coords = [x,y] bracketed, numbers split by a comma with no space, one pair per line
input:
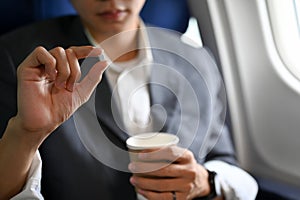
[284,21]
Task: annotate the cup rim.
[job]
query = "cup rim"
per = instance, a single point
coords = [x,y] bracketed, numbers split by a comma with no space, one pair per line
[173,140]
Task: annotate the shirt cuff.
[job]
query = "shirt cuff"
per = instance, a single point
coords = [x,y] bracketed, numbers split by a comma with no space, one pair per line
[32,188]
[232,182]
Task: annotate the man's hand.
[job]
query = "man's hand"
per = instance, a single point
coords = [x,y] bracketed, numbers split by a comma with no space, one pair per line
[48,92]
[155,178]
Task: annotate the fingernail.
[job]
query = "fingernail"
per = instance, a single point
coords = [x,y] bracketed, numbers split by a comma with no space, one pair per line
[131,167]
[99,49]
[132,181]
[140,191]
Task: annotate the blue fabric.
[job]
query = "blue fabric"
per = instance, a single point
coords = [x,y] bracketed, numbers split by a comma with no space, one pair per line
[170,14]
[16,13]
[44,9]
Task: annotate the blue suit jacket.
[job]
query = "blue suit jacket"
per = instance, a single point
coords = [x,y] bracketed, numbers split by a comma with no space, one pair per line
[70,171]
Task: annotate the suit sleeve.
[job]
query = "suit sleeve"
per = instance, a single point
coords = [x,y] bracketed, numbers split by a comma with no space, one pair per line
[8,88]
[213,140]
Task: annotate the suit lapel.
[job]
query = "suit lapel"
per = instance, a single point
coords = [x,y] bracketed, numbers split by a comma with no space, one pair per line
[109,120]
[108,113]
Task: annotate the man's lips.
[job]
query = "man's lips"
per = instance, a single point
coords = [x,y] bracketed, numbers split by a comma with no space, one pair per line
[113,15]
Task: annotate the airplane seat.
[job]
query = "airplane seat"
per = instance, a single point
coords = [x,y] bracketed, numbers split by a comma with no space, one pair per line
[52,8]
[170,14]
[15,13]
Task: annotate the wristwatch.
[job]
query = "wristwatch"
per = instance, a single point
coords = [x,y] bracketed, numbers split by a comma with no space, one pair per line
[211,181]
[212,186]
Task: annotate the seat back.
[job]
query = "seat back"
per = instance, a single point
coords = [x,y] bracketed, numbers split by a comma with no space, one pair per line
[16,13]
[170,14]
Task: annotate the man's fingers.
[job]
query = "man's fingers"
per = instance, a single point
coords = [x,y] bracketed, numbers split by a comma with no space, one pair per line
[40,57]
[150,168]
[86,51]
[158,185]
[67,66]
[157,169]
[62,66]
[74,69]
[73,54]
[148,194]
[172,153]
[91,80]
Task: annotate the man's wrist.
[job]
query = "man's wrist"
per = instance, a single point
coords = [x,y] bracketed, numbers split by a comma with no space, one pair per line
[212,187]
[16,134]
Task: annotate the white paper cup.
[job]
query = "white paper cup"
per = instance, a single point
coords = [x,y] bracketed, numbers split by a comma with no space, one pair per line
[151,144]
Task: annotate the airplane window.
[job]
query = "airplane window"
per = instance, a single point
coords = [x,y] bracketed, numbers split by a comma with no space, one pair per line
[285,23]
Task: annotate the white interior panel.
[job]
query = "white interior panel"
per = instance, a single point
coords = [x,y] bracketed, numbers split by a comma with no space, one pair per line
[263,96]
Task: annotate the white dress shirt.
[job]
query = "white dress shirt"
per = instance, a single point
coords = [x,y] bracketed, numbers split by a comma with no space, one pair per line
[32,189]
[128,81]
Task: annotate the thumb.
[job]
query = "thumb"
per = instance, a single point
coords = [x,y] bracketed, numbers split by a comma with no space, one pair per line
[90,81]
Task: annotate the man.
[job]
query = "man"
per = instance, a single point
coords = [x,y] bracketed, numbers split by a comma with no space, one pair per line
[147,67]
